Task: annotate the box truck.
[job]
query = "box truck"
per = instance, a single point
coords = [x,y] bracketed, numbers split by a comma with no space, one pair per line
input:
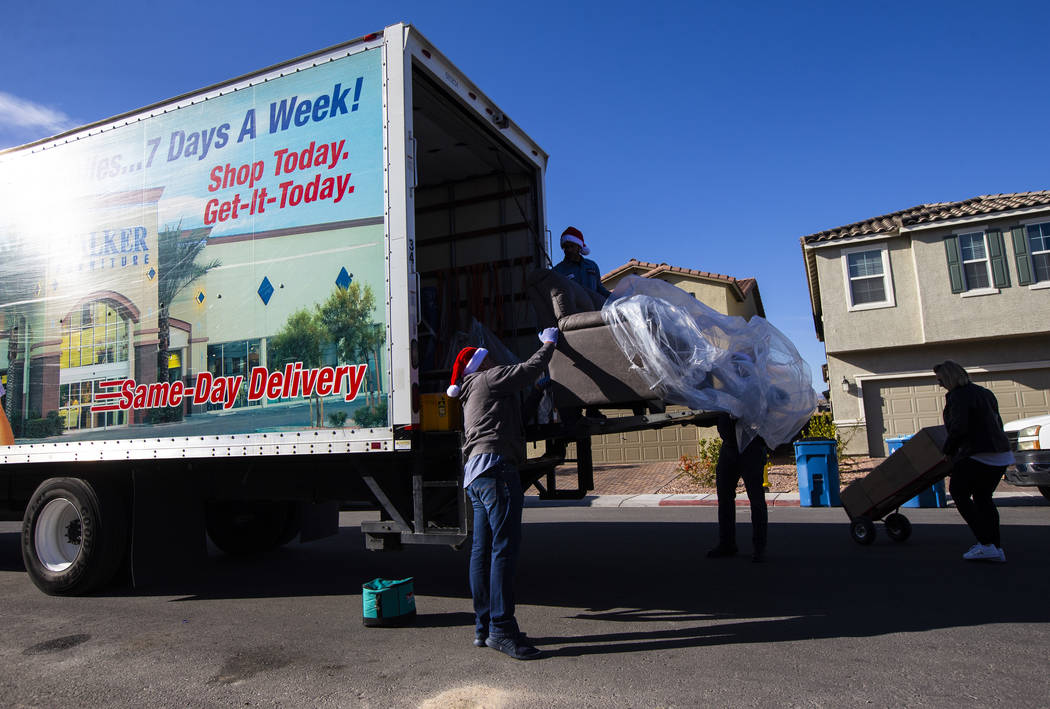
[228,311]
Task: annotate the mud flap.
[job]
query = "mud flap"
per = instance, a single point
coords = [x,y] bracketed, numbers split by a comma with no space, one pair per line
[168,541]
[319,520]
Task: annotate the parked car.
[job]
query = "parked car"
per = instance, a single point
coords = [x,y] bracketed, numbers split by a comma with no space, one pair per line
[1030,440]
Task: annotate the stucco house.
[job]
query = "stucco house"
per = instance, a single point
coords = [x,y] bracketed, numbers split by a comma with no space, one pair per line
[732,296]
[896,294]
[725,294]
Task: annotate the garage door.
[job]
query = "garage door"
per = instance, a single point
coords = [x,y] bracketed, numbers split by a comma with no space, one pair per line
[664,444]
[902,407]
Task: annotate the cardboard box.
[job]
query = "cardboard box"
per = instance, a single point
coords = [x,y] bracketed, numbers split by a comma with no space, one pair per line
[923,450]
[440,413]
[855,500]
[917,464]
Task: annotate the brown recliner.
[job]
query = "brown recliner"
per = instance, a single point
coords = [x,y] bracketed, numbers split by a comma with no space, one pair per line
[588,367]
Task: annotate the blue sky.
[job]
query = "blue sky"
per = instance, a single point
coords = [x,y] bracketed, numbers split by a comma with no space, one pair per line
[705,135]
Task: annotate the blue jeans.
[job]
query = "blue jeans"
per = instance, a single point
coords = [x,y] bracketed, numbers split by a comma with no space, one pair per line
[497,500]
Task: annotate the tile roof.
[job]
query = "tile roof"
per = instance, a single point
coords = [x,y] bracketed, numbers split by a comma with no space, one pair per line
[743,286]
[650,270]
[929,213]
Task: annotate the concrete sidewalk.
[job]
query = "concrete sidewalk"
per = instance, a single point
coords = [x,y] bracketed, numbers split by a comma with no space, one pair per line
[639,485]
[773,499]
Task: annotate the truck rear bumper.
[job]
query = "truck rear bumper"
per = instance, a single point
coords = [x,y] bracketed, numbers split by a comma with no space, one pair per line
[1031,468]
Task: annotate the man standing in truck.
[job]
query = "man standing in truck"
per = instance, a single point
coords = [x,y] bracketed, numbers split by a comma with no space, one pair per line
[575,266]
[493,447]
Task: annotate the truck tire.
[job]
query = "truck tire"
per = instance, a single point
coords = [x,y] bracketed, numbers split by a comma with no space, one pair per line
[251,526]
[74,536]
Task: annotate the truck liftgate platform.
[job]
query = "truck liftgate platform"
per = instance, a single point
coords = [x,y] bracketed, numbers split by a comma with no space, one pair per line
[424,516]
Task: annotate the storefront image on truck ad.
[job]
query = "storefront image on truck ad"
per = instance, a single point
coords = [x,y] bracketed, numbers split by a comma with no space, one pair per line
[211,259]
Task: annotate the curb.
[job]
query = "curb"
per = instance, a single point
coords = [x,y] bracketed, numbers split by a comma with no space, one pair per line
[775,499]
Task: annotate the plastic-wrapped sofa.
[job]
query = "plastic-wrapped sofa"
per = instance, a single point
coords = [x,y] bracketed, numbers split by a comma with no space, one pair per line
[588,367]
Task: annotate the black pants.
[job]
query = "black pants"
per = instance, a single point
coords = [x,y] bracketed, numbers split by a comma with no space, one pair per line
[972,484]
[732,466]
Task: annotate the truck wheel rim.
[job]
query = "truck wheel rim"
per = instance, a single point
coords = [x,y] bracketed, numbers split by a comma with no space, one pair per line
[58,535]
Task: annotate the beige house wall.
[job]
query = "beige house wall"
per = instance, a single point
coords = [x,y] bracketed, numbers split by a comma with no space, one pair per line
[890,326]
[715,294]
[948,316]
[925,309]
[1002,333]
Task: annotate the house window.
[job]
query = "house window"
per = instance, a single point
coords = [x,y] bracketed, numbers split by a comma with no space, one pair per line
[974,260]
[977,263]
[1039,249]
[868,281]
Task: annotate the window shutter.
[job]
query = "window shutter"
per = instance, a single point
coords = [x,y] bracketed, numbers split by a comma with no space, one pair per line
[1024,266]
[951,250]
[996,254]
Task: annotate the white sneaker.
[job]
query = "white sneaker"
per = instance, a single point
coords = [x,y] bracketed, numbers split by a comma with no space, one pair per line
[984,552]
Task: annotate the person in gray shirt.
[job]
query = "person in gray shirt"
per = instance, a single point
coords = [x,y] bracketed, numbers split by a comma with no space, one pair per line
[494,446]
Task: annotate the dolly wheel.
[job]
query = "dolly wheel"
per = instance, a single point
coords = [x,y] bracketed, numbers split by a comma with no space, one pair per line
[898,527]
[862,530]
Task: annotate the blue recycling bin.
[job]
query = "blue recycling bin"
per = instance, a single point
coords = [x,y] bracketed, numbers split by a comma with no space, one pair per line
[933,496]
[818,472]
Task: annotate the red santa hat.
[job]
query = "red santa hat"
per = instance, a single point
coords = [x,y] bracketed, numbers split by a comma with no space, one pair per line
[575,236]
[467,362]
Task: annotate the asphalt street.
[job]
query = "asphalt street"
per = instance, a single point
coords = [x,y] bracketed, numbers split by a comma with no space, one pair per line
[623,602]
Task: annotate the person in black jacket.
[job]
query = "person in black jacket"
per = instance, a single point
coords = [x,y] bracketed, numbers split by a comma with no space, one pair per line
[980,453]
[734,464]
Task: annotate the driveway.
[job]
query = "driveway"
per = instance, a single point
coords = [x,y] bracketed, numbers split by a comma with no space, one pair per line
[627,608]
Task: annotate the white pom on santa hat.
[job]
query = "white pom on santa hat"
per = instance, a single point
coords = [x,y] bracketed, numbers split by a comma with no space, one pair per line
[467,362]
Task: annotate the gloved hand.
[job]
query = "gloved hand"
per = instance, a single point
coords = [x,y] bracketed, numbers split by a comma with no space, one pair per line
[549,335]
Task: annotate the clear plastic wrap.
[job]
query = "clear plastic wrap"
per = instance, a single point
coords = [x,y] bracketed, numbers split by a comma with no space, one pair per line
[479,336]
[697,357]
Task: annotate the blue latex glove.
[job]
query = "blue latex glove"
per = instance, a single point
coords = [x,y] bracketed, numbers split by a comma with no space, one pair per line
[549,335]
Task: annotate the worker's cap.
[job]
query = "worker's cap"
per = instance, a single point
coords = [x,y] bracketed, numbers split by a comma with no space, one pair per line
[575,236]
[467,362]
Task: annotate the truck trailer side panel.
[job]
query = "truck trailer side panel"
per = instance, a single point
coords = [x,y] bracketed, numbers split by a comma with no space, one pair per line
[222,310]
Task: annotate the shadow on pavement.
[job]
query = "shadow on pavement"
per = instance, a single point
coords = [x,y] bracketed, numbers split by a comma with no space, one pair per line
[11,552]
[816,583]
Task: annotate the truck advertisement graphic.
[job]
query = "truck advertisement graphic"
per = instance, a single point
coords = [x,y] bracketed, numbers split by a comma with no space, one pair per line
[223,256]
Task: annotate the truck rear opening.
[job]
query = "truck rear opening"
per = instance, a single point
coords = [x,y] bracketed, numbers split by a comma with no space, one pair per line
[478,225]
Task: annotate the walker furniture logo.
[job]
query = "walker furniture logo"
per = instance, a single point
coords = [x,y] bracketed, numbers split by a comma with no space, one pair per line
[116,248]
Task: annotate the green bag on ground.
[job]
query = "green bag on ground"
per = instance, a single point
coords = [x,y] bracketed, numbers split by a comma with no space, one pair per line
[387,603]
